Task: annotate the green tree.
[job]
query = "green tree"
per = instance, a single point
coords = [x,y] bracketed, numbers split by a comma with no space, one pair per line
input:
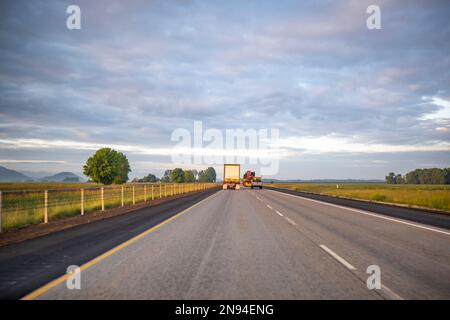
[149,178]
[177,175]
[189,176]
[166,177]
[390,178]
[107,166]
[211,174]
[412,177]
[208,175]
[447,175]
[428,176]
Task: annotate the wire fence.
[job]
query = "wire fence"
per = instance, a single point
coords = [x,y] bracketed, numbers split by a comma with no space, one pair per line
[26,207]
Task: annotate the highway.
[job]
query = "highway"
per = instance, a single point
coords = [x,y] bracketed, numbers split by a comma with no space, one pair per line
[265,244]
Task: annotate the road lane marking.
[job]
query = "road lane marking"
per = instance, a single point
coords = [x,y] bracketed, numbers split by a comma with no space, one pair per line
[38,292]
[279,213]
[290,221]
[391,294]
[337,257]
[368,213]
[268,206]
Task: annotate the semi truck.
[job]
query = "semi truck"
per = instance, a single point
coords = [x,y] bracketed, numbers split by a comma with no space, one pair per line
[248,176]
[252,181]
[231,176]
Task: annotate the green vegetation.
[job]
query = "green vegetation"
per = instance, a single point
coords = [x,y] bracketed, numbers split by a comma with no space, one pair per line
[179,175]
[107,166]
[189,176]
[429,196]
[208,175]
[421,176]
[149,178]
[23,203]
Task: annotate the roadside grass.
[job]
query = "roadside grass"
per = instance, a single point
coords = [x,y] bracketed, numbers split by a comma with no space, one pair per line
[23,203]
[429,196]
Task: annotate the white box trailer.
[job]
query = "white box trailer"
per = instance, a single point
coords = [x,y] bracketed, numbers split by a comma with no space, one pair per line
[231,176]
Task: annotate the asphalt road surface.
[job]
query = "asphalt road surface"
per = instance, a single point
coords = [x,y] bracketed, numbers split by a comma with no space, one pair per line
[31,264]
[264,244]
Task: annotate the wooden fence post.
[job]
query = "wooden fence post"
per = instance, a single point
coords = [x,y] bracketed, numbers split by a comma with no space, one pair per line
[153,197]
[121,195]
[82,201]
[46,206]
[165,190]
[160,191]
[102,196]
[134,199]
[145,193]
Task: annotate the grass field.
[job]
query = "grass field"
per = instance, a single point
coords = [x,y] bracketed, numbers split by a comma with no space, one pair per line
[23,204]
[429,196]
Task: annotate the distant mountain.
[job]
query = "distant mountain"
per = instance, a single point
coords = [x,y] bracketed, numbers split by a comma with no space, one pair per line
[62,177]
[8,175]
[36,175]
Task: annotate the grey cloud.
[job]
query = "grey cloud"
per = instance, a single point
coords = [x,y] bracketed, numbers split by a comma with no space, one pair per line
[311,69]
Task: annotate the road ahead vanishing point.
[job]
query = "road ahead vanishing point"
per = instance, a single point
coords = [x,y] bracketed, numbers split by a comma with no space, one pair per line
[265,244]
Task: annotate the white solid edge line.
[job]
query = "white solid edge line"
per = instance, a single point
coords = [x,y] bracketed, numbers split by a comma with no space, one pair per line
[337,257]
[391,293]
[368,213]
[279,213]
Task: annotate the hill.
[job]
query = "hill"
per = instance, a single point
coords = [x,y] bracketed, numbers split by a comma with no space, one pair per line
[8,175]
[62,177]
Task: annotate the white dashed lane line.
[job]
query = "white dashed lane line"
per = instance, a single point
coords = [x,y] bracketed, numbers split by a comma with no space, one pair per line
[337,257]
[290,221]
[385,290]
[279,213]
[367,213]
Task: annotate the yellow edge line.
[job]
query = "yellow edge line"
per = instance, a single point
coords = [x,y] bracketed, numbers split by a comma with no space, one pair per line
[108,253]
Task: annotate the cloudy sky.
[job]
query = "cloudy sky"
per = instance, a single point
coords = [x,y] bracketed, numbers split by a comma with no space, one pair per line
[349,102]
